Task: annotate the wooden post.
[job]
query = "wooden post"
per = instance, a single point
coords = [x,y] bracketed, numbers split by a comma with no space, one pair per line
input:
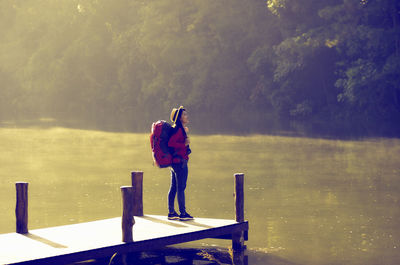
[21,208]
[239,197]
[239,257]
[137,184]
[127,213]
[238,237]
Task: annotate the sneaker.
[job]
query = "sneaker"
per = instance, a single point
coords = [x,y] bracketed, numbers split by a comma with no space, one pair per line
[185,217]
[173,216]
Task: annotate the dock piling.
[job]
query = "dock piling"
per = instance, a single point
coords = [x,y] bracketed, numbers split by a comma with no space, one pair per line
[147,232]
[239,197]
[137,184]
[21,208]
[238,237]
[127,213]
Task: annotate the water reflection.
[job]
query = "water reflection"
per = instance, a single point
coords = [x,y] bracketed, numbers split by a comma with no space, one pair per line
[308,201]
[174,256]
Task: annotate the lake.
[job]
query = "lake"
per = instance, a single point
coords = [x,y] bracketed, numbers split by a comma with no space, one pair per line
[308,200]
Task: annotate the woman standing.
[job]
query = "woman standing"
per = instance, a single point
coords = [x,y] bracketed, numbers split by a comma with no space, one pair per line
[179,142]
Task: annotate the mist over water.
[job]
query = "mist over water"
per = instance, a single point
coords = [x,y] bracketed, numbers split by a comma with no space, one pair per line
[301,96]
[308,200]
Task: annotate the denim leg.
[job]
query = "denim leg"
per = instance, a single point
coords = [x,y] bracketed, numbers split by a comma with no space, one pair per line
[181,171]
[172,192]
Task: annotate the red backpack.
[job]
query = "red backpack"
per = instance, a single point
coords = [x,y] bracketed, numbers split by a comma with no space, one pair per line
[159,137]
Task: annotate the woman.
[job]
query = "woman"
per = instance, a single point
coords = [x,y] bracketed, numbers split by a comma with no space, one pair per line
[179,143]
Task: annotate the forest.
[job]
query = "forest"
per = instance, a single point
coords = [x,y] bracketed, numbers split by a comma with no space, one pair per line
[252,66]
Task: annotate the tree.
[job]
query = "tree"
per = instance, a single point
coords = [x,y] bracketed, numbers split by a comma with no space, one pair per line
[337,59]
[366,36]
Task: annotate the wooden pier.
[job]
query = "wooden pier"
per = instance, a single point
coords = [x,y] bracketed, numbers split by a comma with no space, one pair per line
[132,232]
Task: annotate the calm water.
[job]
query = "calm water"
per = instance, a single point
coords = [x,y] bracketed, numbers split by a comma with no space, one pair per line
[308,201]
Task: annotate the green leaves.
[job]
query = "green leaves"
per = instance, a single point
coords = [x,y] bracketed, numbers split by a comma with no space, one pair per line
[335,59]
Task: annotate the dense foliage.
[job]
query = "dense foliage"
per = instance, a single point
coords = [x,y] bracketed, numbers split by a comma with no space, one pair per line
[236,65]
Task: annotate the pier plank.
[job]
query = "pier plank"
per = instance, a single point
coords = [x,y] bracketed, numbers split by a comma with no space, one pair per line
[69,243]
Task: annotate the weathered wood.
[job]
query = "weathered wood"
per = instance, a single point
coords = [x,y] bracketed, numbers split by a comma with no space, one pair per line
[238,237]
[229,236]
[239,197]
[102,238]
[238,241]
[137,184]
[21,208]
[127,213]
[239,257]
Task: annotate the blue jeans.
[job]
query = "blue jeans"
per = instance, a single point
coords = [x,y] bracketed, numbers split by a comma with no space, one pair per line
[179,175]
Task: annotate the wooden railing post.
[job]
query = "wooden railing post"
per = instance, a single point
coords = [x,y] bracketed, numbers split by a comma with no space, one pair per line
[21,208]
[137,184]
[127,213]
[238,237]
